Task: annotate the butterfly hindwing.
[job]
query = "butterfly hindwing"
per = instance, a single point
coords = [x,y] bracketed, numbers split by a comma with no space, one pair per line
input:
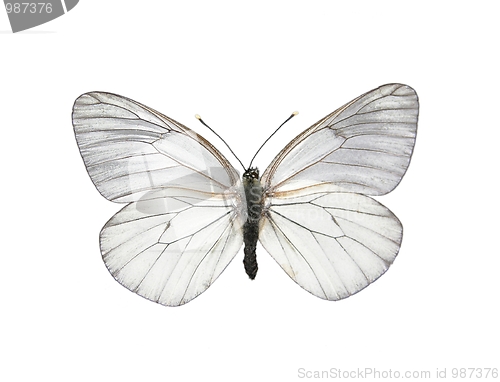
[172,248]
[333,244]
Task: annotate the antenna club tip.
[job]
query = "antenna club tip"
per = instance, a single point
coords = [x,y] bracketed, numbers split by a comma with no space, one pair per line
[295,113]
[197,116]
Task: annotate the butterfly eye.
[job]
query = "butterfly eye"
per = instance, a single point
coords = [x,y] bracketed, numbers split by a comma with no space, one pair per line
[251,173]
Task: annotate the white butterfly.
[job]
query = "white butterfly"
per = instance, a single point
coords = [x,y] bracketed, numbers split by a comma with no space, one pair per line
[188,213]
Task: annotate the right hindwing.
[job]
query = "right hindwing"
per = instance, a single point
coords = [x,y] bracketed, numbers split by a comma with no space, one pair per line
[333,244]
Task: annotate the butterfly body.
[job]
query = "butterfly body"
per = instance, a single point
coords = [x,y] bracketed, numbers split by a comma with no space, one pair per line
[253,197]
[188,212]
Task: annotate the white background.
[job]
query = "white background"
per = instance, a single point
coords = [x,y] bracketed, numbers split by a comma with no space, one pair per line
[245,66]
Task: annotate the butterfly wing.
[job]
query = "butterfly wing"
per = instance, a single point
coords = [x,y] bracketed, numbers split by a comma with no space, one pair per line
[130,150]
[172,248]
[365,146]
[182,225]
[318,222]
[333,244]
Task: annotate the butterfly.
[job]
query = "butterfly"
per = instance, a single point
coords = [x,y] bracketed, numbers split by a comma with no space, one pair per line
[188,212]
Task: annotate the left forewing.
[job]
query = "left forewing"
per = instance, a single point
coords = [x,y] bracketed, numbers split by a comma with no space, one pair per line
[131,150]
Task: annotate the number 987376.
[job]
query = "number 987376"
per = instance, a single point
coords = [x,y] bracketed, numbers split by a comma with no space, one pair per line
[28,7]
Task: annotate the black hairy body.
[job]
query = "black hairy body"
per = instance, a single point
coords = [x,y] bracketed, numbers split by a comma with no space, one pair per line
[253,195]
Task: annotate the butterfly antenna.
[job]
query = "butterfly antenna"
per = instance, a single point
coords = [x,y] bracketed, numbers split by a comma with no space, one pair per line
[213,131]
[275,131]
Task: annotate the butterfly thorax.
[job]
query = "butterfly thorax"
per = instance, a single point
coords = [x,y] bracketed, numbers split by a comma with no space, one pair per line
[253,195]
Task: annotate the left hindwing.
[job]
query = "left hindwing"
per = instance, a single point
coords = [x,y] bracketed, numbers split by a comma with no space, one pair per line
[171,249]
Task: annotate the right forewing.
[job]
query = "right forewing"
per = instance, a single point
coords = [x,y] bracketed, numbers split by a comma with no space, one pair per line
[364,147]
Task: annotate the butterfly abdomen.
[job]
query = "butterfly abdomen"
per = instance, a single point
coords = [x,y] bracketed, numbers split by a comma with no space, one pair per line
[253,194]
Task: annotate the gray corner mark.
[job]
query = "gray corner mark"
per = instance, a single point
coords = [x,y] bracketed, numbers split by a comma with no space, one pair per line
[24,14]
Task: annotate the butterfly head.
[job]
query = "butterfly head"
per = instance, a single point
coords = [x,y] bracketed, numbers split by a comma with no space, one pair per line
[251,173]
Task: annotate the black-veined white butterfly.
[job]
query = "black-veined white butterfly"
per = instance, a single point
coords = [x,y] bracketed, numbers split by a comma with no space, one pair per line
[188,212]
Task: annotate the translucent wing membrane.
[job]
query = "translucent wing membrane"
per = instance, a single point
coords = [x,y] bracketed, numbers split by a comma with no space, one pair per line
[130,150]
[333,244]
[363,147]
[182,226]
[318,223]
[171,248]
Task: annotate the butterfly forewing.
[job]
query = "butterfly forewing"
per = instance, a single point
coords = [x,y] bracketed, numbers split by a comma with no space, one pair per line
[364,147]
[130,150]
